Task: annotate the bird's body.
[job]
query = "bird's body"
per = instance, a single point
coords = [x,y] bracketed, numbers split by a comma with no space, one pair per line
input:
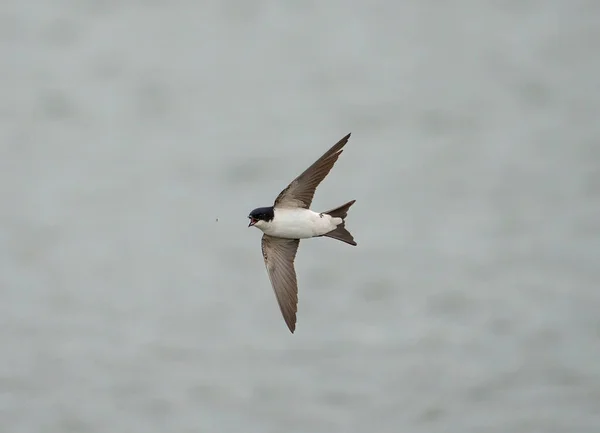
[298,223]
[289,220]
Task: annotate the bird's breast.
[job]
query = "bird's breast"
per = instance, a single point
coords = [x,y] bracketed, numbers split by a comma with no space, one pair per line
[300,224]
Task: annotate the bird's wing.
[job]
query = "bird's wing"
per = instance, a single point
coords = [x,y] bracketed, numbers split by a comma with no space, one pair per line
[279,255]
[300,192]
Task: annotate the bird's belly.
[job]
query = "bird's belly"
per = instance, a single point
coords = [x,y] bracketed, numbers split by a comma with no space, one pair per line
[301,224]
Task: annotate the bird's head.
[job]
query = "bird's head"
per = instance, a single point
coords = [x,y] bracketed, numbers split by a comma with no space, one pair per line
[261,216]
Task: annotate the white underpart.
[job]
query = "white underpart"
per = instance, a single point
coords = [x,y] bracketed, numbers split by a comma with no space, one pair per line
[298,223]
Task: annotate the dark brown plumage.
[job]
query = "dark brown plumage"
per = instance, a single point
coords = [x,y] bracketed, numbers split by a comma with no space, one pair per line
[300,192]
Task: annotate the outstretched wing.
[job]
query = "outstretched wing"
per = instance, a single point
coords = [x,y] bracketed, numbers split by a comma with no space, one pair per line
[279,255]
[301,191]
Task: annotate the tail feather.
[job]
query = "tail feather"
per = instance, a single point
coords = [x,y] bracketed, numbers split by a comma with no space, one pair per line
[340,233]
[340,212]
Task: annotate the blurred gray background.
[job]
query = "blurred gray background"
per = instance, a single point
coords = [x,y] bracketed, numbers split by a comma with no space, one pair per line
[471,302]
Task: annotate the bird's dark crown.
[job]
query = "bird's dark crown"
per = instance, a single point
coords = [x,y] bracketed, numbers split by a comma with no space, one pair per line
[262,214]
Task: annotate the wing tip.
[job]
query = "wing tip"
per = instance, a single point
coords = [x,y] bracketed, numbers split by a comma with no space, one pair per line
[345,138]
[337,149]
[291,324]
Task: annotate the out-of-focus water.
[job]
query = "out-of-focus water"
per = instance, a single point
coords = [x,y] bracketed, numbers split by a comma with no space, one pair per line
[472,301]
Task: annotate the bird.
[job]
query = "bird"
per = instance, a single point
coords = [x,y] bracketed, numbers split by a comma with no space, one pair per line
[291,219]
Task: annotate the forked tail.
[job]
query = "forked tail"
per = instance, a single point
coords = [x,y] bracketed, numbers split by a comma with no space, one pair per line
[340,233]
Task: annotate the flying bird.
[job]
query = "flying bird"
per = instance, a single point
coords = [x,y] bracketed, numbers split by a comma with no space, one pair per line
[291,219]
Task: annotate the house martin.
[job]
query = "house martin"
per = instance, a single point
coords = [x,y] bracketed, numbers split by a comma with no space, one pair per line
[289,220]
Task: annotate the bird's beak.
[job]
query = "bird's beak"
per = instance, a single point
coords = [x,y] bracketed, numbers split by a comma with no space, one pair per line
[252,222]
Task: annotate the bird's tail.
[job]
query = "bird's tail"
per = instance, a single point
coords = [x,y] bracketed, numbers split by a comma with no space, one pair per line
[340,233]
